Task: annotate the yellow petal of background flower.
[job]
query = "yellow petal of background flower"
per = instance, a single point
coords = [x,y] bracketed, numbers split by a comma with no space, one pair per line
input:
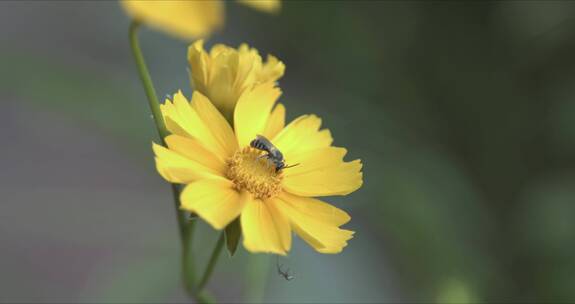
[201,122]
[225,73]
[222,86]
[302,135]
[248,65]
[264,229]
[340,179]
[269,6]
[252,112]
[199,61]
[179,169]
[184,19]
[276,121]
[214,200]
[272,70]
[316,223]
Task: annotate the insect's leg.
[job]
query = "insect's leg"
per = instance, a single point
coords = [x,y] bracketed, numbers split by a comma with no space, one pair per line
[290,166]
[278,266]
[267,155]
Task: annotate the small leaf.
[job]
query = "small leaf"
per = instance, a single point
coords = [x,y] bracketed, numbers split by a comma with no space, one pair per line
[233,233]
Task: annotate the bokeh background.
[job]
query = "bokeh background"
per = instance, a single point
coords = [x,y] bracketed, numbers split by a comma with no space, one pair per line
[463,113]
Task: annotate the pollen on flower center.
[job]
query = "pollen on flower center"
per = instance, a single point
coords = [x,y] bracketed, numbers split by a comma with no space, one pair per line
[256,175]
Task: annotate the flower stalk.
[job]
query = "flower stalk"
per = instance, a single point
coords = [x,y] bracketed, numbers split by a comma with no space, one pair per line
[185,227]
[147,80]
[212,262]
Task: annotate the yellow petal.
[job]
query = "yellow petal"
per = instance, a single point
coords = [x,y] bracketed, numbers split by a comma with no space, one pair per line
[225,73]
[252,112]
[272,70]
[214,200]
[318,159]
[302,135]
[199,122]
[199,63]
[174,123]
[220,85]
[282,224]
[219,48]
[179,116]
[177,168]
[317,209]
[318,231]
[340,179]
[183,19]
[249,64]
[268,6]
[194,150]
[215,122]
[276,121]
[264,228]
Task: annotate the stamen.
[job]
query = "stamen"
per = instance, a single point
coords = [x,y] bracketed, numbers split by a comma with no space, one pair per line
[249,171]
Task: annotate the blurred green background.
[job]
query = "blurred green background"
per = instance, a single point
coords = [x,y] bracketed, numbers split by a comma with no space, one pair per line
[463,114]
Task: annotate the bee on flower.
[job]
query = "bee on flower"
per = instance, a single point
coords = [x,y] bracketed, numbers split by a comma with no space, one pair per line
[225,177]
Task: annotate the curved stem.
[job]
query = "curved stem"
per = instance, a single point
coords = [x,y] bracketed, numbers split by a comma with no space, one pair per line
[156,112]
[212,263]
[185,229]
[147,80]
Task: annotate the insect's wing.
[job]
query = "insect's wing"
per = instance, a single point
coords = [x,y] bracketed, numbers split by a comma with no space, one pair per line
[264,140]
[261,137]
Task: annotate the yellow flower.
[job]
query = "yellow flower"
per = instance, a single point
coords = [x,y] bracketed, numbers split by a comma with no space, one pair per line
[225,73]
[225,178]
[270,6]
[187,19]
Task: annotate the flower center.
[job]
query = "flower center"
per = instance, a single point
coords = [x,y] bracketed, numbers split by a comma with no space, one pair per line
[256,175]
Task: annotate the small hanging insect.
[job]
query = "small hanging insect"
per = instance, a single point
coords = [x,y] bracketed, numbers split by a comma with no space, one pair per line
[285,274]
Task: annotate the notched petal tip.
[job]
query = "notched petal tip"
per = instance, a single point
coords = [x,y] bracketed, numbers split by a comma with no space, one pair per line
[197,45]
[317,222]
[196,50]
[334,177]
[338,248]
[179,95]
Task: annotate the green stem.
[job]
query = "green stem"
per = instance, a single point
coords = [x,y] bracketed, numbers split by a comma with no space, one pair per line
[212,263]
[188,276]
[185,229]
[147,80]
